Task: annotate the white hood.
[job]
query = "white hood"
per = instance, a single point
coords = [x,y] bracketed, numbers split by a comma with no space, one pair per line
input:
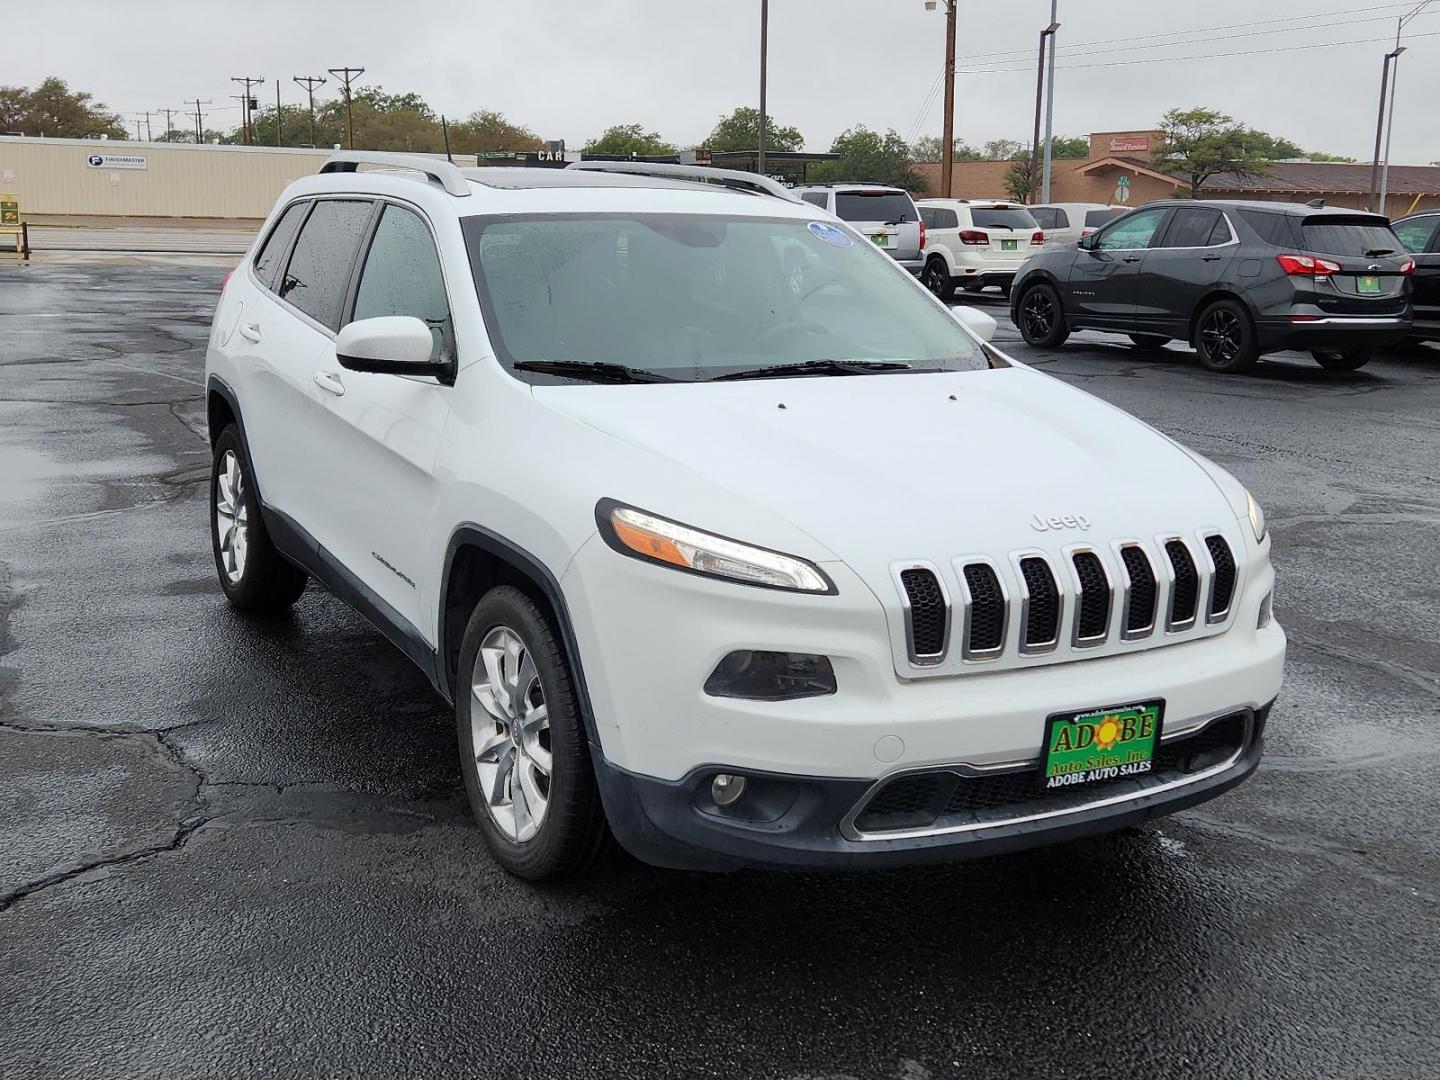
[889,467]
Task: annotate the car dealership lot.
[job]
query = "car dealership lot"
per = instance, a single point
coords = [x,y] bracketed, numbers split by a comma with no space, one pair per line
[238,848]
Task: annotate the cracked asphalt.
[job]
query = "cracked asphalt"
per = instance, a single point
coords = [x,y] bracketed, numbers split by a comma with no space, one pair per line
[237,848]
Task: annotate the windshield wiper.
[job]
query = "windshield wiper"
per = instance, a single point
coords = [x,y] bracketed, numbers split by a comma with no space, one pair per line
[820,367]
[593,371]
[1375,253]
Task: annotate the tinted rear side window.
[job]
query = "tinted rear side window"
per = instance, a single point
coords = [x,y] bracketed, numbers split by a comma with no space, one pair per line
[1273,228]
[881,206]
[1192,227]
[936,218]
[1095,218]
[319,272]
[816,197]
[1048,217]
[1002,219]
[1365,237]
[268,261]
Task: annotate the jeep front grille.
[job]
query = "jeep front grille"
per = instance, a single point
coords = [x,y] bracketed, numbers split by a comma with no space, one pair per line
[1092,623]
[1042,605]
[1222,583]
[985,612]
[1185,595]
[1143,592]
[927,615]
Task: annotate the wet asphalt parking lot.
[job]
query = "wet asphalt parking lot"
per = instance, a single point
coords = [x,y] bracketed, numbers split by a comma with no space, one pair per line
[237,848]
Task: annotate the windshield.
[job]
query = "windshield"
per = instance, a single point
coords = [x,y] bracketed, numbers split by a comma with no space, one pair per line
[874,206]
[1361,236]
[1002,218]
[694,297]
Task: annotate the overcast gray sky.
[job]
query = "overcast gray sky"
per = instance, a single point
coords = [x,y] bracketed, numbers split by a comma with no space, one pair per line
[569,68]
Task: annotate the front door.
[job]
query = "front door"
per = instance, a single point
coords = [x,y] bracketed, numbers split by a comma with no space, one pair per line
[1105,275]
[379,434]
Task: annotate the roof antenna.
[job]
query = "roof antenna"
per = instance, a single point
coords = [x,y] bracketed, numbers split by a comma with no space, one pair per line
[445,128]
[1316,203]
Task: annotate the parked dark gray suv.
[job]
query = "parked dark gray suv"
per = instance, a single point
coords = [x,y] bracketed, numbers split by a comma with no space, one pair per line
[1234,279]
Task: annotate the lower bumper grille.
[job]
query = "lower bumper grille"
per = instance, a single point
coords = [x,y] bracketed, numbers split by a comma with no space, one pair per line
[948,800]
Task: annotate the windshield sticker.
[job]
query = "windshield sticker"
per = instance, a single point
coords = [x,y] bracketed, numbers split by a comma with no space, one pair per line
[831,234]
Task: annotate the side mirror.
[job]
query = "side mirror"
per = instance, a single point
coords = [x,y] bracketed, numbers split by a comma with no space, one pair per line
[388,345]
[976,321]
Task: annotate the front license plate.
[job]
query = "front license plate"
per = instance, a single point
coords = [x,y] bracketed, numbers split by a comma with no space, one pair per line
[1368,285]
[1102,744]
[881,239]
[1009,245]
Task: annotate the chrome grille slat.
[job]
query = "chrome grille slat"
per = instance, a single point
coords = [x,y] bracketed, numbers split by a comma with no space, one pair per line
[1142,592]
[1092,608]
[927,614]
[1185,586]
[1040,607]
[1222,578]
[987,611]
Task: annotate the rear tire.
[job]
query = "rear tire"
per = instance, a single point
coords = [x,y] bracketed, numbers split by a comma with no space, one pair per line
[1042,319]
[936,277]
[523,750]
[1149,342]
[254,575]
[1225,338]
[1343,359]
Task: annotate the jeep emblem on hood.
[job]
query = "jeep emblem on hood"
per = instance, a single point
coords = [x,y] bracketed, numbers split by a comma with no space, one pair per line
[1054,524]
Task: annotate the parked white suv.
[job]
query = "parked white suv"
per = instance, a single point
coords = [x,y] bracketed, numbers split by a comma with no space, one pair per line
[1067,223]
[975,244]
[740,563]
[885,215]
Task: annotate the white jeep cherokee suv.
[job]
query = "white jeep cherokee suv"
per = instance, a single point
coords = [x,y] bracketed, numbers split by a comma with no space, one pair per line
[722,535]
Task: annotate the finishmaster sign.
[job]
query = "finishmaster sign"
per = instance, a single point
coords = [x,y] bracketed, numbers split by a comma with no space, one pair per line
[116,161]
[1082,748]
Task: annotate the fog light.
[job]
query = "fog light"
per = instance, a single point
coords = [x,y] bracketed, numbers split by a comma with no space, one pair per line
[726,789]
[771,676]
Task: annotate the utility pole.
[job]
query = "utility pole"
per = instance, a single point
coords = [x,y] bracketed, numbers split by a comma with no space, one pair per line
[199,130]
[1050,107]
[168,126]
[245,106]
[1045,36]
[310,82]
[279,122]
[947,137]
[764,65]
[347,75]
[148,136]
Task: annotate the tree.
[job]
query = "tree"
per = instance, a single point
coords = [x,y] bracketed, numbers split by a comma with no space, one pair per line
[741,131]
[1020,180]
[487,130]
[1200,143]
[1070,147]
[1006,150]
[929,148]
[628,140]
[53,109]
[868,155]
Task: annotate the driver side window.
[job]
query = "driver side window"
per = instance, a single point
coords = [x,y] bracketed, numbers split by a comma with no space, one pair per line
[1131,232]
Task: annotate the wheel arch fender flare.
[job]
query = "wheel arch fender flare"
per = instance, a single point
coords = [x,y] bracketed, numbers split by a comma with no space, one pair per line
[471,535]
[1024,284]
[221,401]
[1220,292]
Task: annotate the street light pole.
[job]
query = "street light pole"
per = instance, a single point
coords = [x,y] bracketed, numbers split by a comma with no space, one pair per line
[1050,107]
[1380,129]
[1045,36]
[1389,76]
[1389,130]
[764,65]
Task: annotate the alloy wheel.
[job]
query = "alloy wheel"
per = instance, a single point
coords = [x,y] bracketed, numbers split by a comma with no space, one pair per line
[232,521]
[1038,314]
[510,733]
[1222,336]
[937,280]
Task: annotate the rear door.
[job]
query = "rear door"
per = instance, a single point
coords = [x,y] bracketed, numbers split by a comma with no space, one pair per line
[1421,237]
[886,215]
[1183,265]
[376,436]
[1104,278]
[1009,230]
[1371,279]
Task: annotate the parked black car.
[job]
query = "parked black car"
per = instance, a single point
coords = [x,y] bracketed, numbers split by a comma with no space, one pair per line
[1420,233]
[1234,279]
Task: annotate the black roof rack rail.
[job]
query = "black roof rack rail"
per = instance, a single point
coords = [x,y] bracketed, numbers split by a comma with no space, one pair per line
[730,178]
[445,174]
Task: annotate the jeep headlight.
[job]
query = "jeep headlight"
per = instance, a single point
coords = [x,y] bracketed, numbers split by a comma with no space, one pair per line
[642,535]
[1257,517]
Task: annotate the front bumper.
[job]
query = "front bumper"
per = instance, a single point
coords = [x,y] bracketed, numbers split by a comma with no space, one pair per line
[808,822]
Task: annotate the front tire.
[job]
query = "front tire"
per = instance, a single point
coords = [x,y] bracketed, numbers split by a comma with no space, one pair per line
[254,575]
[1042,320]
[936,277]
[1343,359]
[1225,338]
[523,749]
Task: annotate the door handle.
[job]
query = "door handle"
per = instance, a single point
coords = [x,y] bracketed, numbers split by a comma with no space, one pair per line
[250,331]
[330,382]
[1133,258]
[1209,258]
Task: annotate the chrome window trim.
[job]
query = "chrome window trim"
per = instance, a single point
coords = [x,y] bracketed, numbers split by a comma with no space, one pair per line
[850,832]
[1076,641]
[1016,559]
[907,615]
[1171,625]
[1118,548]
[979,656]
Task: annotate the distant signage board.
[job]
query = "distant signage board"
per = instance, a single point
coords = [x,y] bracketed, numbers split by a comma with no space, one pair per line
[9,210]
[1130,144]
[116,161]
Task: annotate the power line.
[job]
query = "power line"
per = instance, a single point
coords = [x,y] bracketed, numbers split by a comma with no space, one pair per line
[310,82]
[245,105]
[346,75]
[168,126]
